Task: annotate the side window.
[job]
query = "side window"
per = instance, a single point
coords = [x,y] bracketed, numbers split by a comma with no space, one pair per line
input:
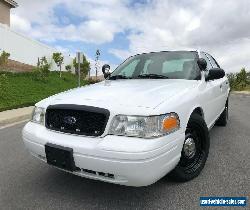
[209,66]
[213,61]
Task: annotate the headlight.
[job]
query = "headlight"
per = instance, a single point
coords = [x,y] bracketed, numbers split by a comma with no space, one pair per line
[38,115]
[144,127]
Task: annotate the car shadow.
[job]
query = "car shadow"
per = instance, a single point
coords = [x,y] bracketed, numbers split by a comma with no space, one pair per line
[84,192]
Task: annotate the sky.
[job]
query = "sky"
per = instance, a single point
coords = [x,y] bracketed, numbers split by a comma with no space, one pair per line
[121,28]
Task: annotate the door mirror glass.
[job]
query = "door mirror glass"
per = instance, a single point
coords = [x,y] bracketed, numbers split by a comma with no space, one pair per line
[215,73]
[106,70]
[202,63]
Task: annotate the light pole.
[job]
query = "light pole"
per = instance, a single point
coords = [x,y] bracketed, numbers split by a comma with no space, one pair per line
[79,60]
[97,55]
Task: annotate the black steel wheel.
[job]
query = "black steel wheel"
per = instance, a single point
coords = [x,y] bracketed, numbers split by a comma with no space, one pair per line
[195,150]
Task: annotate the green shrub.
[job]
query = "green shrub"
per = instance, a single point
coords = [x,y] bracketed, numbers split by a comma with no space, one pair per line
[92,81]
[41,72]
[231,78]
[58,58]
[239,81]
[84,67]
[3,86]
[68,68]
[3,59]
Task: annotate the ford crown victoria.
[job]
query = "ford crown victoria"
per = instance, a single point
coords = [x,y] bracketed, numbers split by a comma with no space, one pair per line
[150,117]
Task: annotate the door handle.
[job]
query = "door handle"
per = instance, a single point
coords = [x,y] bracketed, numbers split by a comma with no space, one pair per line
[220,85]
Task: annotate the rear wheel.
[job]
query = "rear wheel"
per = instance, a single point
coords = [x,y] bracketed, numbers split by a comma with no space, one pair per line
[195,150]
[222,120]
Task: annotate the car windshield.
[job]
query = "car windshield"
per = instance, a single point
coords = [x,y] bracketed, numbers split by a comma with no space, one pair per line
[159,65]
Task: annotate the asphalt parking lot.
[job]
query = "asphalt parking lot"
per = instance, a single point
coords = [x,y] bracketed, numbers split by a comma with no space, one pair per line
[26,183]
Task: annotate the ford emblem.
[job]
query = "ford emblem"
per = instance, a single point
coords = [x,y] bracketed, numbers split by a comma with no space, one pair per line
[70,120]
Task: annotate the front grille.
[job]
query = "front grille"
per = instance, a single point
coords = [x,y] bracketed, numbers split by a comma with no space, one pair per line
[76,119]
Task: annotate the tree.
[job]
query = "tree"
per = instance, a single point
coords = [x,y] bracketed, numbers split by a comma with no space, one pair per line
[84,67]
[42,69]
[68,68]
[97,55]
[3,59]
[58,58]
[241,79]
[231,78]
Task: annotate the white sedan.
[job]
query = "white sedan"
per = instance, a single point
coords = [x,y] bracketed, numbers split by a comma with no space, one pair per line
[150,117]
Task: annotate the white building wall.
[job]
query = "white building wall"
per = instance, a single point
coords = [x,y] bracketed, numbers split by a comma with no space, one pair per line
[27,50]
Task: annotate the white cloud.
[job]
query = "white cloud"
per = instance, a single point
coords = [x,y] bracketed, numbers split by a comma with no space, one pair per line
[20,24]
[219,27]
[39,11]
[122,54]
[234,55]
[193,24]
[95,32]
[102,20]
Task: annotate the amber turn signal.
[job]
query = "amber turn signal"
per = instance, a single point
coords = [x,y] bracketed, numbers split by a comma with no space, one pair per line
[170,123]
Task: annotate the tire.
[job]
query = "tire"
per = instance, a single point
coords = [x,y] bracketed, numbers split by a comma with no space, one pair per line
[222,120]
[192,161]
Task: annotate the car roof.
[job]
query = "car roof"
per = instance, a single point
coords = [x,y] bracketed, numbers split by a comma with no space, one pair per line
[198,51]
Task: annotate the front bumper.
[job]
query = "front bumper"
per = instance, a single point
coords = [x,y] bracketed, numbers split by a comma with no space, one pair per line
[116,159]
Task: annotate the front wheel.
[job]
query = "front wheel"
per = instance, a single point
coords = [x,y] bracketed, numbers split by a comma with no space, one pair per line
[195,150]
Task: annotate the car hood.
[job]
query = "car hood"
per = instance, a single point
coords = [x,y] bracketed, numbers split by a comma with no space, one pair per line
[147,93]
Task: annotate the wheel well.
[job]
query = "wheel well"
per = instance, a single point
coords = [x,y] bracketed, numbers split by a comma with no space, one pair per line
[198,111]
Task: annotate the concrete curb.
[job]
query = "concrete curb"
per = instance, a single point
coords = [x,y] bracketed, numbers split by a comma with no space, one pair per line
[241,92]
[15,115]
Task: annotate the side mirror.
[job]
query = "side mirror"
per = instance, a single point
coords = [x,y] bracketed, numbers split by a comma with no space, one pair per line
[106,70]
[202,63]
[215,73]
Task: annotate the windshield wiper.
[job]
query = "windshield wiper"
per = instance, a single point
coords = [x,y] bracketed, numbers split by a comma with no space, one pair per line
[152,76]
[118,77]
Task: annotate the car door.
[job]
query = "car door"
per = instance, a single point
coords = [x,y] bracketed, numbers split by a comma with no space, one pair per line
[221,87]
[208,95]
